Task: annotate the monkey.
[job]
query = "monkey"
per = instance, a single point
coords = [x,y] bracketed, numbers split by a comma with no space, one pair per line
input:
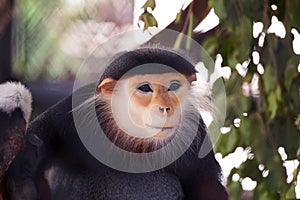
[15,110]
[144,105]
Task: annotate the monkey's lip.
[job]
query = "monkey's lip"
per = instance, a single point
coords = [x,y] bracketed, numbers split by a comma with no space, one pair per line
[162,132]
[161,127]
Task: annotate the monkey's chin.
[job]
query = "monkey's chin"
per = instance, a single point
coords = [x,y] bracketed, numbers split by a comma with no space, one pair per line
[162,135]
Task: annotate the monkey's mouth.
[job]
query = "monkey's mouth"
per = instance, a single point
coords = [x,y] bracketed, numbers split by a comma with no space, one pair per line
[162,132]
[163,128]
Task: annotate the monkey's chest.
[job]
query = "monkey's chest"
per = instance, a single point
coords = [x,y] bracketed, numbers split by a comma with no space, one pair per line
[114,185]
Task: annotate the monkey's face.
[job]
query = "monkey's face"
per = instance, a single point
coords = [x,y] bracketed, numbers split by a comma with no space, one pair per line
[147,106]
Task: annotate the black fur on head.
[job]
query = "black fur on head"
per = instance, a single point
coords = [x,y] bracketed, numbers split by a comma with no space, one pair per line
[125,61]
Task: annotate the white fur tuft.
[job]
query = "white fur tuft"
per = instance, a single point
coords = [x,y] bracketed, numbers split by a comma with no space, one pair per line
[14,95]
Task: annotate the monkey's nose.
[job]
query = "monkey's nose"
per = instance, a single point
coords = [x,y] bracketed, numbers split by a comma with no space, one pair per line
[164,109]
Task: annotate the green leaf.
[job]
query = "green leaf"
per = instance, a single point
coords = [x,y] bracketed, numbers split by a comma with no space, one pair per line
[178,17]
[272,104]
[237,103]
[278,93]
[209,45]
[290,74]
[219,6]
[227,143]
[297,121]
[268,79]
[291,194]
[148,19]
[273,181]
[243,33]
[250,129]
[235,190]
[192,22]
[149,4]
[178,41]
[253,9]
[263,191]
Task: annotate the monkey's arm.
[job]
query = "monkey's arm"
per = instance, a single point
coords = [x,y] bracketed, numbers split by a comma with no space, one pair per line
[24,179]
[200,177]
[51,136]
[203,181]
[20,179]
[210,189]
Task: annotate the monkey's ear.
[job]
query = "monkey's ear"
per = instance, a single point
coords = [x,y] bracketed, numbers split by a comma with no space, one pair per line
[106,87]
[192,78]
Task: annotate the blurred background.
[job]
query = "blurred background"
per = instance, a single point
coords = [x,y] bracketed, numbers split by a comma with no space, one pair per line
[255,45]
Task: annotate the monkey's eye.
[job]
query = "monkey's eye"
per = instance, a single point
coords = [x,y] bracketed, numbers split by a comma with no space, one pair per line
[145,88]
[174,85]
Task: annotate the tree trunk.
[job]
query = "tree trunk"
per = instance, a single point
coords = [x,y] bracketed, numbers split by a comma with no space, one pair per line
[6,10]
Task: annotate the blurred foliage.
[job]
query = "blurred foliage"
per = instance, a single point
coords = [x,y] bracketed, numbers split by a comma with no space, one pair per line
[52,38]
[273,108]
[37,41]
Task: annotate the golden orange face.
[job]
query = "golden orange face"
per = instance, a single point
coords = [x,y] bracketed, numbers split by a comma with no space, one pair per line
[147,105]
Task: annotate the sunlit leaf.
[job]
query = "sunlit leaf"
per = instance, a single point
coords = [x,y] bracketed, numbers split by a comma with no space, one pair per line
[148,19]
[294,13]
[219,6]
[278,93]
[178,41]
[297,121]
[149,4]
[178,17]
[192,22]
[250,169]
[298,152]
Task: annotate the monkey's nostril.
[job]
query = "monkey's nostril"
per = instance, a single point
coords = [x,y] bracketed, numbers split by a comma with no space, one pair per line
[161,109]
[167,109]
